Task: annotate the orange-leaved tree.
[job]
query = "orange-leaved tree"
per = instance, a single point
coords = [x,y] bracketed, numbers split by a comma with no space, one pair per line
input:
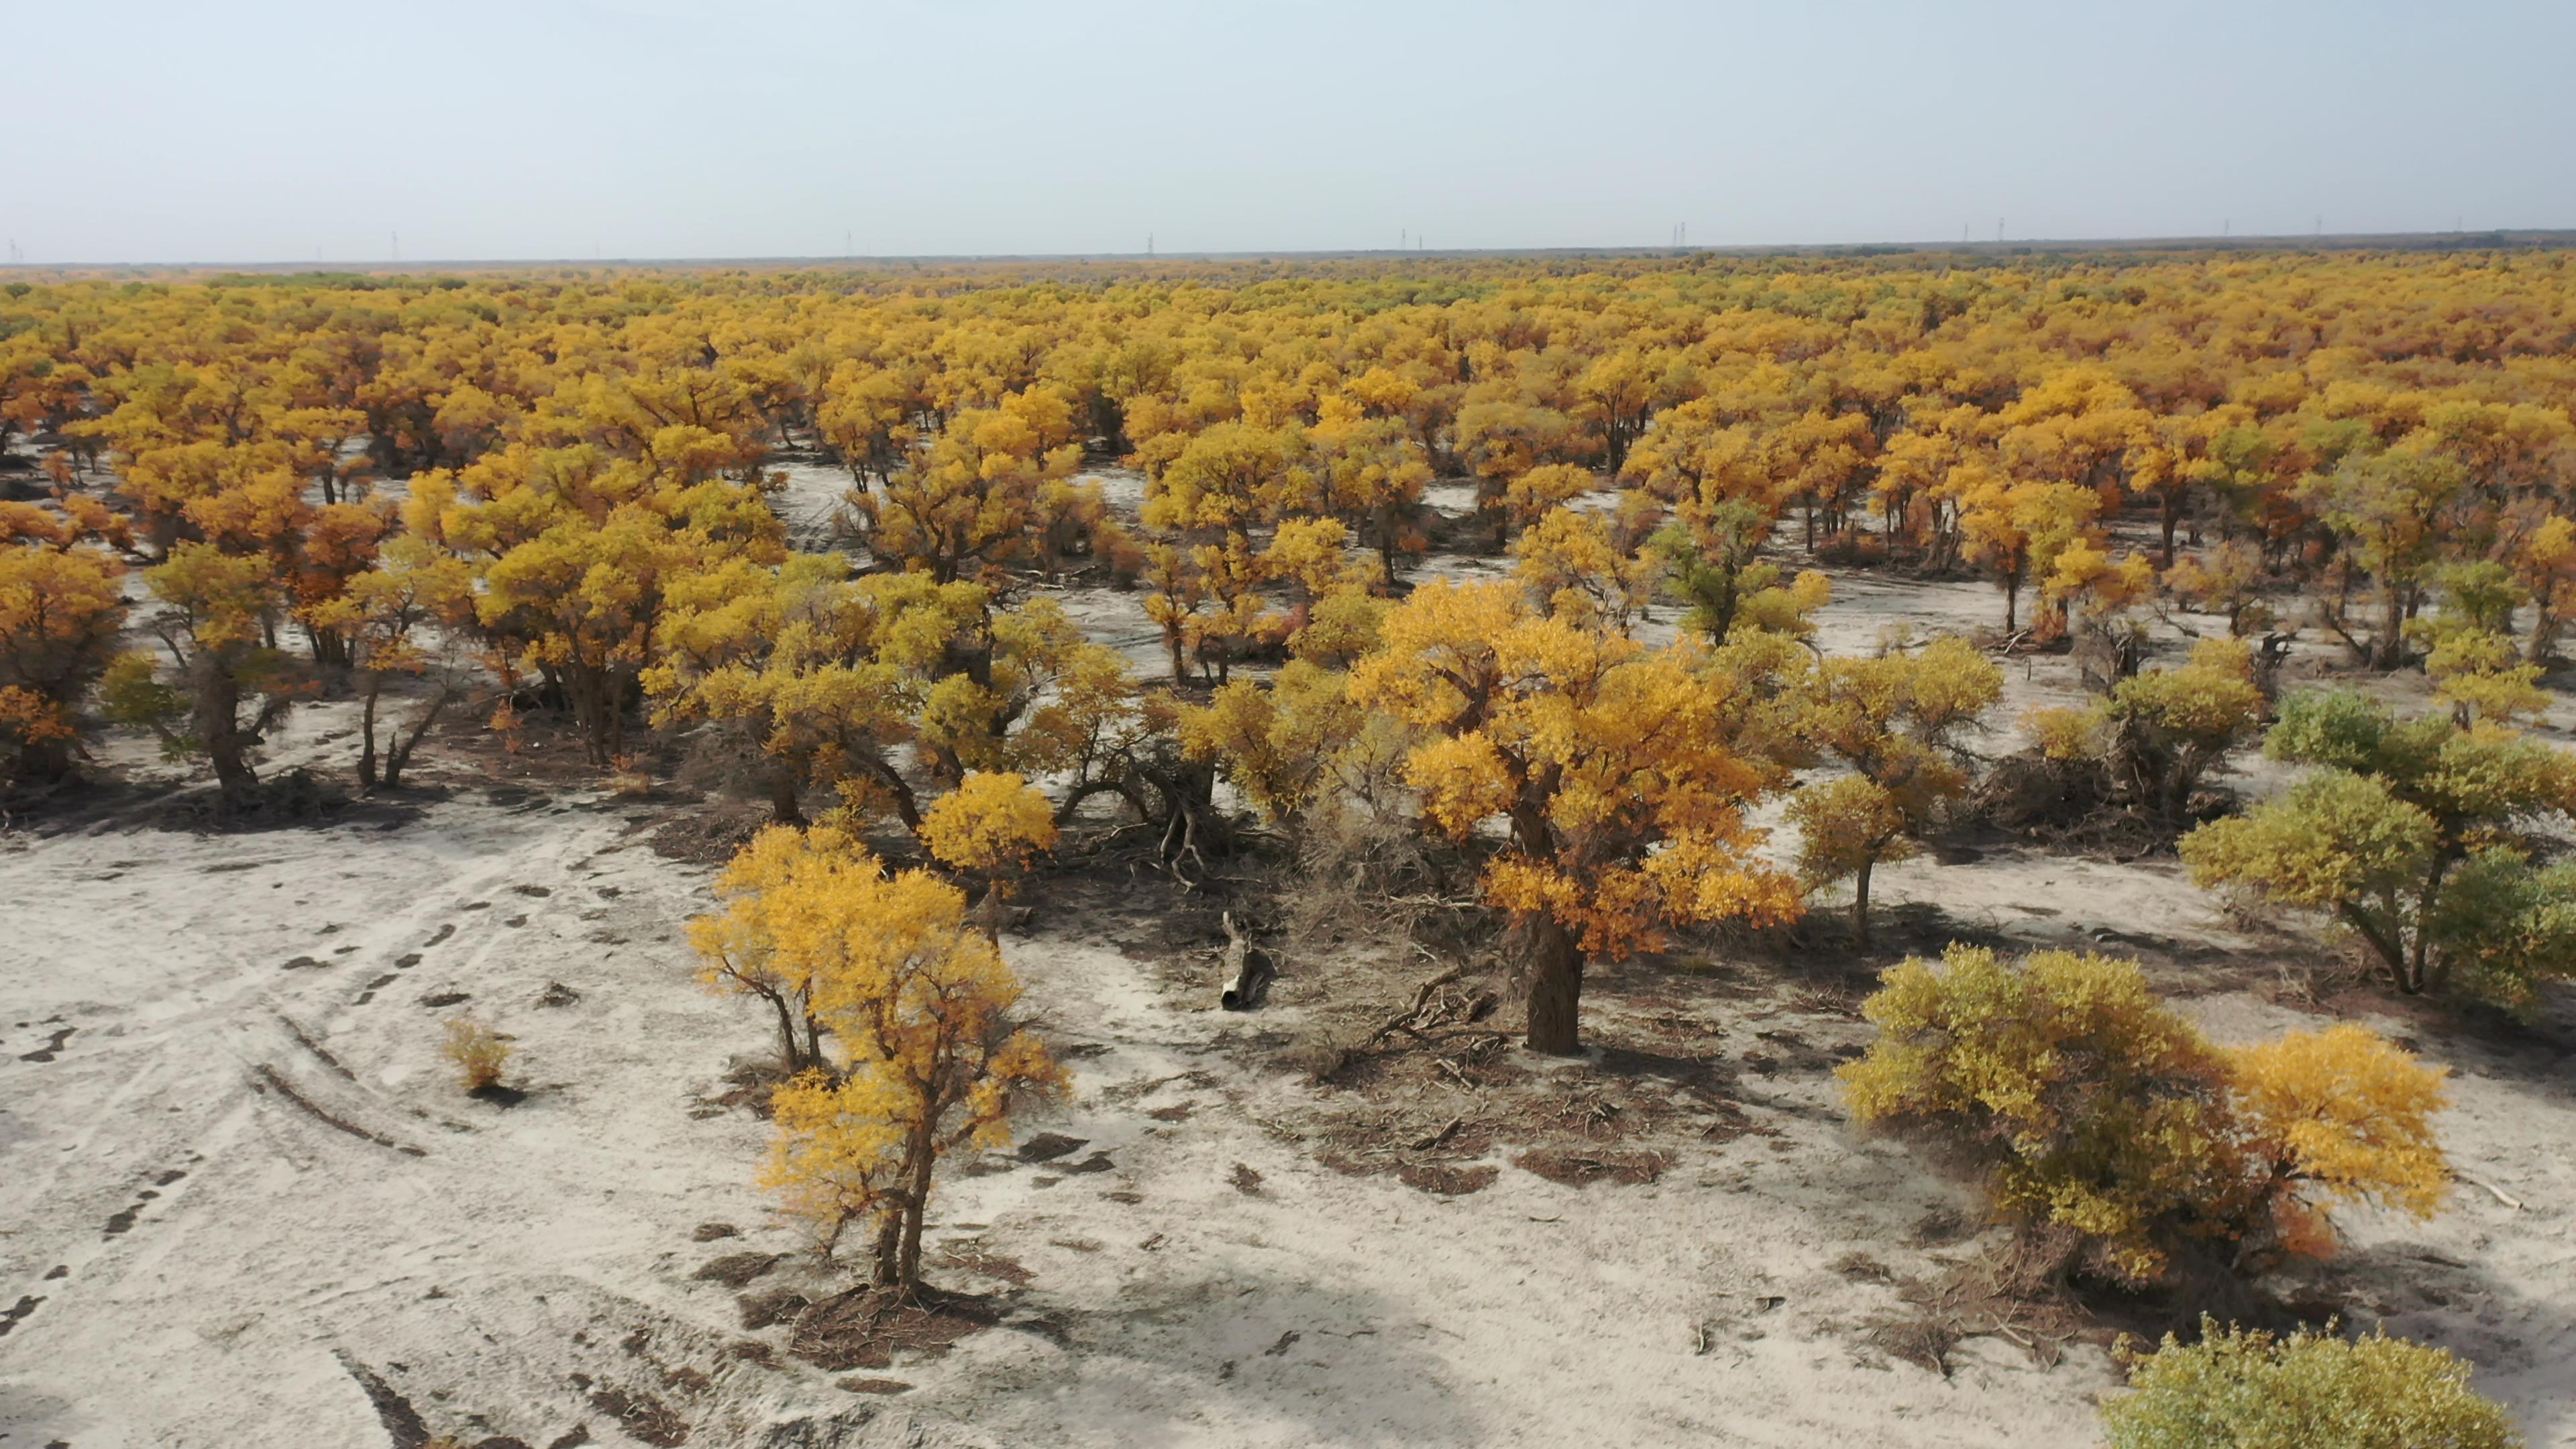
[61,605]
[1609,764]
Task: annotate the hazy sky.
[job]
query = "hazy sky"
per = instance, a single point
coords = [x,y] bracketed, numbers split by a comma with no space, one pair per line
[260,131]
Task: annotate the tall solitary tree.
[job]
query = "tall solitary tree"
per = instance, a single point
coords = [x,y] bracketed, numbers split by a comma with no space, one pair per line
[1608,765]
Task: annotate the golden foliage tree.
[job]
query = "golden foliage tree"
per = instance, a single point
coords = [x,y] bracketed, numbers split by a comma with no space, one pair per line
[1893,720]
[928,1057]
[1607,763]
[989,829]
[217,620]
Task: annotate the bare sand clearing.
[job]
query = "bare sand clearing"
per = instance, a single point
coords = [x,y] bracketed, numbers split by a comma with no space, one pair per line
[243,1203]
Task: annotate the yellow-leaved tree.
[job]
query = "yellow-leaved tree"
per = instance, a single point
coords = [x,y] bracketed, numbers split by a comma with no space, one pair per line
[1608,763]
[218,620]
[930,1055]
[988,829]
[1893,719]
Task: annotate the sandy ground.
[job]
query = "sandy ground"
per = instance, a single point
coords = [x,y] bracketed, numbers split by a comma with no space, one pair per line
[243,1202]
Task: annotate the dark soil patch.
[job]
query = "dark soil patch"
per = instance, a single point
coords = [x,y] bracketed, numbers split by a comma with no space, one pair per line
[438,999]
[866,1327]
[1048,1146]
[46,1052]
[778,1305]
[269,1080]
[708,835]
[642,1416]
[748,1086]
[709,1232]
[1578,1168]
[736,1269]
[557,994]
[10,1316]
[498,1095]
[873,1386]
[402,1423]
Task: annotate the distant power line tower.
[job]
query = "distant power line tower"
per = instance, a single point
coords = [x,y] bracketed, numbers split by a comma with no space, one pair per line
[1149,243]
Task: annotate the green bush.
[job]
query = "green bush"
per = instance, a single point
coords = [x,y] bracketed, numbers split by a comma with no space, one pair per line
[2245,1390]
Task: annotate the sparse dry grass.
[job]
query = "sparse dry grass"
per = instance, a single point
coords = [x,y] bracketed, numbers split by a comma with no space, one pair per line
[479,1052]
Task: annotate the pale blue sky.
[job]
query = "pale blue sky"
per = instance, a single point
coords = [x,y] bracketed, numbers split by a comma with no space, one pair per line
[263,131]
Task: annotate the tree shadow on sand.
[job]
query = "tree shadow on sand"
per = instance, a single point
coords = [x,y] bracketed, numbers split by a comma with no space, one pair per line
[2522,1343]
[1214,1355]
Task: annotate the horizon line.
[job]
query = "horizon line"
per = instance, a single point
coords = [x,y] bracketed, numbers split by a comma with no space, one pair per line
[2536,237]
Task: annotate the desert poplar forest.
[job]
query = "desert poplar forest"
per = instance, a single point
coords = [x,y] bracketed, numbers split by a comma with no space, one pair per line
[1945,847]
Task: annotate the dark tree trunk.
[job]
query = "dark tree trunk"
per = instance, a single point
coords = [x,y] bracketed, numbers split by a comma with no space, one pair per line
[218,722]
[398,751]
[1860,904]
[367,733]
[1555,989]
[782,797]
[916,1206]
[2392,634]
[789,1058]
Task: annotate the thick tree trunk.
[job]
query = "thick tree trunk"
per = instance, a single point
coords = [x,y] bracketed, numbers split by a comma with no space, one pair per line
[888,1248]
[782,797]
[2392,634]
[1555,989]
[218,722]
[916,1206]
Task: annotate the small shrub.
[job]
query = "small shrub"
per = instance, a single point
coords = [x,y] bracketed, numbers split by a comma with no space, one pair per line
[2087,1103]
[2101,1120]
[2246,1390]
[478,1051]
